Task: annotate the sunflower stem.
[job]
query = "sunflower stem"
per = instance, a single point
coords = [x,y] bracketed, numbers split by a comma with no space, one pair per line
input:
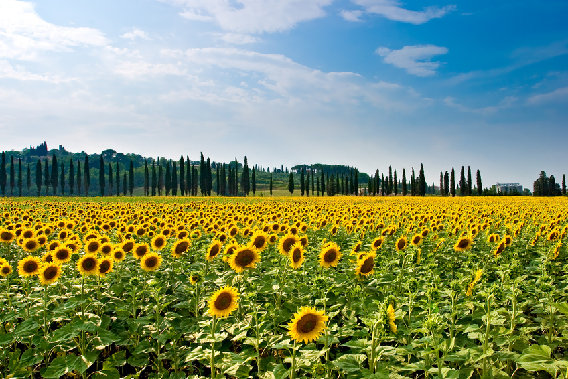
[212,361]
[45,311]
[293,368]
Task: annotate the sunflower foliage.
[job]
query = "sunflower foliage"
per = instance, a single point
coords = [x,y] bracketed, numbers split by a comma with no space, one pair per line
[349,287]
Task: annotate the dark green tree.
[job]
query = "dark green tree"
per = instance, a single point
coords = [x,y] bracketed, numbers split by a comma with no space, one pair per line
[390,185]
[146,178]
[453,183]
[12,176]
[291,183]
[446,183]
[86,175]
[181,176]
[46,177]
[71,177]
[131,178]
[54,174]
[412,184]
[110,179]
[160,178]
[318,186]
[469,183]
[245,178]
[79,179]
[117,179]
[154,179]
[202,179]
[29,179]
[478,183]
[3,174]
[20,177]
[271,184]
[313,187]
[62,179]
[188,186]
[253,181]
[209,177]
[563,184]
[101,175]
[174,179]
[218,179]
[422,181]
[322,183]
[124,185]
[38,176]
[302,182]
[462,183]
[395,184]
[404,188]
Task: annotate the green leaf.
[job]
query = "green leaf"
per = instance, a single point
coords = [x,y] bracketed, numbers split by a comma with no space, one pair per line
[27,328]
[349,363]
[562,307]
[61,366]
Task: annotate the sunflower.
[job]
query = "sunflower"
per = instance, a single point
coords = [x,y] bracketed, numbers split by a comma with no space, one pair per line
[140,250]
[223,302]
[127,246]
[296,255]
[48,257]
[88,264]
[366,264]
[29,266]
[493,238]
[307,325]
[105,266]
[499,249]
[401,243]
[7,236]
[28,233]
[377,243]
[49,273]
[118,255]
[463,244]
[286,243]
[5,270]
[194,278]
[357,247]
[213,250]
[159,242]
[244,257]
[151,262]
[508,240]
[93,246]
[330,255]
[30,245]
[304,241]
[180,247]
[259,240]
[417,240]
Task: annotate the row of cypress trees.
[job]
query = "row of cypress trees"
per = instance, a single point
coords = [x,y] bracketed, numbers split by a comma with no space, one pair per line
[391,185]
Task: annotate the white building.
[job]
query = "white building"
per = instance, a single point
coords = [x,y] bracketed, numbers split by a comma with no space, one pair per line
[508,187]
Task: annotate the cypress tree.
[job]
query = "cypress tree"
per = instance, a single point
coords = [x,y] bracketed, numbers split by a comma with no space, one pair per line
[146,178]
[478,183]
[124,186]
[79,179]
[131,178]
[446,183]
[62,179]
[3,174]
[377,184]
[71,177]
[404,188]
[236,177]
[201,175]
[194,180]
[46,177]
[336,188]
[395,184]
[54,174]
[563,184]
[218,179]
[174,179]
[469,183]
[462,183]
[181,176]
[188,190]
[441,183]
[302,184]
[312,175]
[209,177]
[154,179]
[322,183]
[356,184]
[38,176]
[110,179]
[224,179]
[291,183]
[389,187]
[384,186]
[102,174]
[12,176]
[230,181]
[422,181]
[160,178]
[245,177]
[413,183]
[29,179]
[117,180]
[253,181]
[453,183]
[308,183]
[87,175]
[20,177]
[318,186]
[271,184]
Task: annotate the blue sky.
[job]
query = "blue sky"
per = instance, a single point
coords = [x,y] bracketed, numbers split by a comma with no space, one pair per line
[369,83]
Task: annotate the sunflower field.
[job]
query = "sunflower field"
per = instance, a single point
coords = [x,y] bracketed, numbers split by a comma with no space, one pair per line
[342,287]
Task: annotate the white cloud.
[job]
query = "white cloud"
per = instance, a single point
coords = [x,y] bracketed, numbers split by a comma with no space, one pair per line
[392,10]
[353,16]
[135,33]
[23,33]
[252,16]
[558,95]
[236,38]
[414,59]
[505,103]
[9,71]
